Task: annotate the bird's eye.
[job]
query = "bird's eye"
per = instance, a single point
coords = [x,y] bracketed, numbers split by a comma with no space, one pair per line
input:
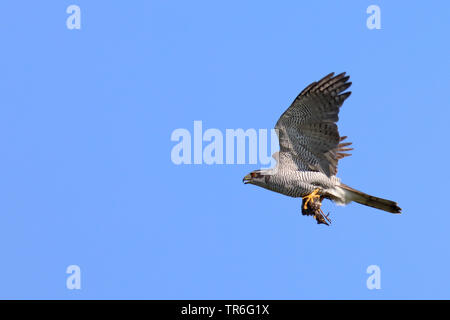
[253,174]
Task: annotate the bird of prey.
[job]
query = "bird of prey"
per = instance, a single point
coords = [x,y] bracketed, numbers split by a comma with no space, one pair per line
[310,147]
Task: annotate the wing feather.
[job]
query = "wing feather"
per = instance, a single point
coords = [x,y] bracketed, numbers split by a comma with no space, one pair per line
[307,131]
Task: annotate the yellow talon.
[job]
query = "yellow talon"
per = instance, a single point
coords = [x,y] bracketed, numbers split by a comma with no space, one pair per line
[310,197]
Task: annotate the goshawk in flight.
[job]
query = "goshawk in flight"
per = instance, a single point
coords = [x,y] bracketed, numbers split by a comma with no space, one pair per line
[310,147]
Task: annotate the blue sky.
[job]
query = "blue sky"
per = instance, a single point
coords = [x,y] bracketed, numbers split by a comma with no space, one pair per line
[87,178]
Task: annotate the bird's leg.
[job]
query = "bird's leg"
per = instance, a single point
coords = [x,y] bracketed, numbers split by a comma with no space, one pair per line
[310,198]
[322,217]
[311,207]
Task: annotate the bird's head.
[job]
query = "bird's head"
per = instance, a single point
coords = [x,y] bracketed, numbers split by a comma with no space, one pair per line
[257,177]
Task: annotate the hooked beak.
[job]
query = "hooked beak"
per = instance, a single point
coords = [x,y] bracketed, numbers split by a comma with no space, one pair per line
[247,179]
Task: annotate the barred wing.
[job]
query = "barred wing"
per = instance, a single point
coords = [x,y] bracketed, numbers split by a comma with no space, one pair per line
[307,131]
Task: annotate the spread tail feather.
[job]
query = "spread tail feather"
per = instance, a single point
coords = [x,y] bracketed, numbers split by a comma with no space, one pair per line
[368,200]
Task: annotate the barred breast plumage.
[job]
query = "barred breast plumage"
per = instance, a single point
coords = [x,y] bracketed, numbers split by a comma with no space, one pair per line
[299,183]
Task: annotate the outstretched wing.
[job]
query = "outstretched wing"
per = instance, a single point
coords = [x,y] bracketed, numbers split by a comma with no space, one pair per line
[307,130]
